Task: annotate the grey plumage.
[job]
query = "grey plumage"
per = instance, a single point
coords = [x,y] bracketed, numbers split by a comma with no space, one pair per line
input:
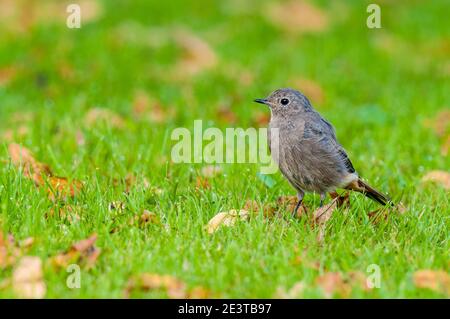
[309,155]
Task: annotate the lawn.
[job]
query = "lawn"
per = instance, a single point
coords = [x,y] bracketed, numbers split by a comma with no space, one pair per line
[98,105]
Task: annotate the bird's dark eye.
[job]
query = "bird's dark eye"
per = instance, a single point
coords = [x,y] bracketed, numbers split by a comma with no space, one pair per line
[284,101]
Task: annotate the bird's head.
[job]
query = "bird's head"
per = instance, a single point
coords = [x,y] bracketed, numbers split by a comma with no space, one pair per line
[287,102]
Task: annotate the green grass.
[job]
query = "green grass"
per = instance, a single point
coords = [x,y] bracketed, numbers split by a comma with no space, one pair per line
[377,99]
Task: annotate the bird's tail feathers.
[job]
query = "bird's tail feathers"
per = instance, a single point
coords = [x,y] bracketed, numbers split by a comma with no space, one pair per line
[370,192]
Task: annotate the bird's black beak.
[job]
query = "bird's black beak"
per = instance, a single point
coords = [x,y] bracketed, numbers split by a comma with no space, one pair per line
[262,101]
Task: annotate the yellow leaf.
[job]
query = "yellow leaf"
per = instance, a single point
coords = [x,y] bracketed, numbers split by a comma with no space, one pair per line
[226,219]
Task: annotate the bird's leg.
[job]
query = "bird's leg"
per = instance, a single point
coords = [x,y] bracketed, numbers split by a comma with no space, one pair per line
[322,198]
[300,196]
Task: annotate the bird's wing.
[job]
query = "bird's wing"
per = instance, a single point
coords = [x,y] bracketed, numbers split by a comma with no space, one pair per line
[322,134]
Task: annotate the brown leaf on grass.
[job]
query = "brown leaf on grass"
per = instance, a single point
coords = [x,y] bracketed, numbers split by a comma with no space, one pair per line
[83,251]
[288,203]
[436,280]
[226,219]
[332,283]
[440,177]
[200,292]
[148,217]
[41,174]
[27,278]
[23,158]
[210,171]
[252,206]
[310,88]
[202,183]
[62,188]
[297,16]
[102,115]
[440,123]
[197,54]
[324,213]
[173,287]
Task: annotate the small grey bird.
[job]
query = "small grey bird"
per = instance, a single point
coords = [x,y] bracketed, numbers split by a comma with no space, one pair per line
[308,153]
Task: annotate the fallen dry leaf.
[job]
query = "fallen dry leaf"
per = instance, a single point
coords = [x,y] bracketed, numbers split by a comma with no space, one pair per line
[148,217]
[226,219]
[41,174]
[197,54]
[102,115]
[436,280]
[297,16]
[82,251]
[440,177]
[310,88]
[23,158]
[332,283]
[173,287]
[62,188]
[324,213]
[199,292]
[202,183]
[210,171]
[252,206]
[27,278]
[288,203]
